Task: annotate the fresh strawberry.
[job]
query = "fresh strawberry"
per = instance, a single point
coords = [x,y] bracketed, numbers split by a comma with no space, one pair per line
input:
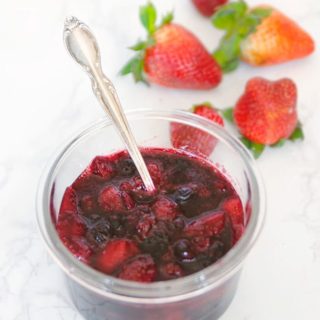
[192,139]
[266,114]
[142,268]
[115,253]
[259,36]
[171,56]
[208,7]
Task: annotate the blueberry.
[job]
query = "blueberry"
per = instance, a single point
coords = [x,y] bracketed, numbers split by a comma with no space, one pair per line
[126,167]
[184,194]
[183,250]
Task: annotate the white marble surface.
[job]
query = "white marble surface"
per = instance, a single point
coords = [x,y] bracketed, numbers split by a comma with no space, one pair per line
[45,98]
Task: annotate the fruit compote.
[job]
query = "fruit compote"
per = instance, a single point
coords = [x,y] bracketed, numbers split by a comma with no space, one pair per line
[108,220]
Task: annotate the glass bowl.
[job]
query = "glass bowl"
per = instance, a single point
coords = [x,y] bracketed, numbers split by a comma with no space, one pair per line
[203,295]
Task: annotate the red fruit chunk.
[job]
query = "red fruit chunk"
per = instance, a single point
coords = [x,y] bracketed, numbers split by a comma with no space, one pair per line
[69,224]
[110,199]
[100,166]
[142,268]
[78,247]
[233,207]
[128,201]
[145,225]
[171,270]
[69,201]
[115,253]
[155,173]
[208,7]
[87,203]
[208,226]
[165,209]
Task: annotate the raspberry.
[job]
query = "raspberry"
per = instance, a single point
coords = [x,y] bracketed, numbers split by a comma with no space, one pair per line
[141,268]
[165,209]
[115,253]
[127,200]
[110,199]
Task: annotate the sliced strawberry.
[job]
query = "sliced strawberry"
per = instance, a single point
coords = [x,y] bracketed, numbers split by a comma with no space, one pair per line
[165,209]
[233,206]
[208,7]
[171,270]
[110,199]
[115,253]
[78,247]
[195,140]
[70,224]
[171,56]
[209,225]
[142,268]
[69,202]
[102,167]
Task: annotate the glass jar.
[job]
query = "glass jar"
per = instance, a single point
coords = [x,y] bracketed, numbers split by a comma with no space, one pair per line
[203,295]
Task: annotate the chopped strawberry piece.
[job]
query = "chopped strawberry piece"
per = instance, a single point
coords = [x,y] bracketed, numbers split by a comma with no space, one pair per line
[208,7]
[209,225]
[171,270]
[145,225]
[165,209]
[70,224]
[110,199]
[115,253]
[102,167]
[69,202]
[233,207]
[78,247]
[142,268]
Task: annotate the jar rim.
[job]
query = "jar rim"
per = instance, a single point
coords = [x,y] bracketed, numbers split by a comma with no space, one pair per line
[161,291]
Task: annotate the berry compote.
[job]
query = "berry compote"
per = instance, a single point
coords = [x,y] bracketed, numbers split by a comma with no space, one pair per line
[108,220]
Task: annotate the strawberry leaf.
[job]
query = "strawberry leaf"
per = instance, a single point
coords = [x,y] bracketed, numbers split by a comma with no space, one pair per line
[297,133]
[134,66]
[255,148]
[226,17]
[238,22]
[279,144]
[139,46]
[227,55]
[148,17]
[167,19]
[228,114]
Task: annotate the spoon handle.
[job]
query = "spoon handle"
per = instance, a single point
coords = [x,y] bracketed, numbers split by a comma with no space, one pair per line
[83,47]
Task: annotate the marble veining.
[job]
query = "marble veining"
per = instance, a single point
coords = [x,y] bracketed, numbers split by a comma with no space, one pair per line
[45,98]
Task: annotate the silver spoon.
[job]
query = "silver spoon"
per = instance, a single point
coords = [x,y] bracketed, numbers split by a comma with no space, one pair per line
[83,47]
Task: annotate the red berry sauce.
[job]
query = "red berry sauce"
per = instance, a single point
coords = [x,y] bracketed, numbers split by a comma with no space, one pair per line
[109,221]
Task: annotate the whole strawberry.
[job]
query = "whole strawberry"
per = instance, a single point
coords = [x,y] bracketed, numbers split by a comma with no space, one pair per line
[266,113]
[171,56]
[208,7]
[192,139]
[259,36]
